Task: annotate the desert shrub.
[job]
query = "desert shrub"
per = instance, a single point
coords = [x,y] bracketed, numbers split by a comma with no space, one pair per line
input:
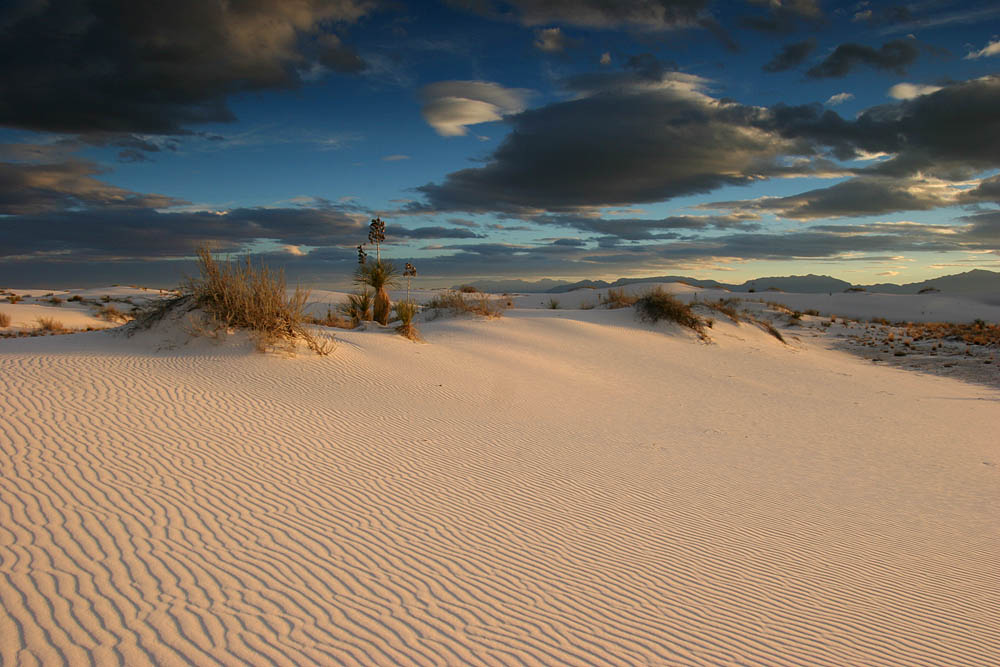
[4,320]
[239,295]
[111,314]
[378,276]
[855,289]
[75,297]
[468,289]
[456,303]
[405,312]
[813,312]
[56,301]
[358,307]
[50,324]
[586,305]
[553,304]
[658,304]
[617,298]
[725,306]
[332,319]
[14,298]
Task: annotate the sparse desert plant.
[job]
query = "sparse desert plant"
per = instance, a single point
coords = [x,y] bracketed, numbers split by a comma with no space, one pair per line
[112,314]
[405,312]
[457,303]
[725,306]
[240,295]
[658,304]
[468,289]
[358,307]
[14,298]
[617,298]
[331,319]
[50,325]
[813,312]
[75,297]
[56,301]
[553,304]
[378,275]
[4,320]
[586,305]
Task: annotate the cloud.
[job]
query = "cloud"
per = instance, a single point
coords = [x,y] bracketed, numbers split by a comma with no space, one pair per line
[599,14]
[893,56]
[639,229]
[450,106]
[627,138]
[783,16]
[862,196]
[27,189]
[790,56]
[907,91]
[395,158]
[605,58]
[839,98]
[552,40]
[155,67]
[991,49]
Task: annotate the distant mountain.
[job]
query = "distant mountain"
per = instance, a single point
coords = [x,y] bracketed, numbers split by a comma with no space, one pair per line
[976,281]
[810,284]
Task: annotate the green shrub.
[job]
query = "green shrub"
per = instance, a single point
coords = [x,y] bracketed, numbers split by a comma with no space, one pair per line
[358,307]
[378,275]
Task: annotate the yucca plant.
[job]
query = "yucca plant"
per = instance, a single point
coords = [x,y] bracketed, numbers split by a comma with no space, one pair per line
[378,275]
[358,307]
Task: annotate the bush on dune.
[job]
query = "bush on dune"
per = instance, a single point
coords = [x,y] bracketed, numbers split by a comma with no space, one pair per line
[4,320]
[405,312]
[239,295]
[658,304]
[457,303]
[378,275]
[617,298]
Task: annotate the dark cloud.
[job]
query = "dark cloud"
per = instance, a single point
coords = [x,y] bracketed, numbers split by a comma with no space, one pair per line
[638,140]
[27,189]
[122,66]
[856,197]
[790,56]
[435,233]
[552,40]
[951,133]
[637,229]
[892,56]
[783,17]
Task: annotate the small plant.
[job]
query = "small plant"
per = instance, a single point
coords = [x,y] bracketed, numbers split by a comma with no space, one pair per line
[75,297]
[56,301]
[376,235]
[409,272]
[553,304]
[14,298]
[358,307]
[855,289]
[111,314]
[405,312]
[586,305]
[4,320]
[813,312]
[468,289]
[658,304]
[50,325]
[617,298]
[456,303]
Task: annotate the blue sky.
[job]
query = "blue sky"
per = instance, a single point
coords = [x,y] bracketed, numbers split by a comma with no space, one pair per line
[520,139]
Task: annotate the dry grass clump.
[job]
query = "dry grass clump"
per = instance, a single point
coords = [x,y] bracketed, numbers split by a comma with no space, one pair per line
[468,289]
[14,298]
[457,303]
[976,333]
[725,306]
[617,298]
[553,304]
[112,314]
[4,320]
[50,325]
[658,304]
[239,295]
[332,319]
[75,297]
[405,312]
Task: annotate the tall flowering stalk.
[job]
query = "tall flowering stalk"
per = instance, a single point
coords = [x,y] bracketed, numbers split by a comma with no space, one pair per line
[376,235]
[409,272]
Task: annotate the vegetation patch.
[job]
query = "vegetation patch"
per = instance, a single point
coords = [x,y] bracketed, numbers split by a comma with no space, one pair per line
[658,304]
[617,298]
[457,303]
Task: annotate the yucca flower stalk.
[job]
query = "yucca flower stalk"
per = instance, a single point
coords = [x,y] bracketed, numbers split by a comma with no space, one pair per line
[410,272]
[376,235]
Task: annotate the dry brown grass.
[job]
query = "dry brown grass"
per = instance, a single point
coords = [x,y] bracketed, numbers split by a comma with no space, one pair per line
[975,333]
[50,325]
[457,303]
[4,320]
[332,319]
[405,312]
[617,298]
[658,304]
[14,298]
[112,314]
[240,295]
[468,289]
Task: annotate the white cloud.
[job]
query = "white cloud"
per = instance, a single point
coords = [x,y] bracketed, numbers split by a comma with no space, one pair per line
[395,158]
[450,106]
[907,91]
[839,98]
[605,58]
[991,49]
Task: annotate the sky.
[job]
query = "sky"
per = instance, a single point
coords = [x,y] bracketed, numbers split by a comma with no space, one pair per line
[567,139]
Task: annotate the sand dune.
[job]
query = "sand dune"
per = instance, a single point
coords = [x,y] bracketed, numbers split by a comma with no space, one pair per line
[554,487]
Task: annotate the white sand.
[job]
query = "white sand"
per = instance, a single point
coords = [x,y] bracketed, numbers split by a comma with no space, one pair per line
[554,487]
